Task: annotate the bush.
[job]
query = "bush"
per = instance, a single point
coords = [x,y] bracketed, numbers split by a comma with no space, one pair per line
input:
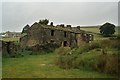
[84,48]
[87,47]
[49,47]
[90,57]
[85,60]
[65,57]
[80,50]
[112,64]
[28,48]
[64,61]
[107,64]
[76,61]
[63,50]
[94,45]
[99,65]
[46,48]
[44,21]
[89,60]
[73,60]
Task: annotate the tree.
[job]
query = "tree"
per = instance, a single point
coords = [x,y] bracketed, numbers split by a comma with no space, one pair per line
[25,29]
[51,23]
[44,21]
[107,29]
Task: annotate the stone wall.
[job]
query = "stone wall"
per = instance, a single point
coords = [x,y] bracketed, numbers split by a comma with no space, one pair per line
[9,49]
[42,34]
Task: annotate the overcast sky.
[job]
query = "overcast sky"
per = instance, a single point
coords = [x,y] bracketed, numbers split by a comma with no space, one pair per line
[15,15]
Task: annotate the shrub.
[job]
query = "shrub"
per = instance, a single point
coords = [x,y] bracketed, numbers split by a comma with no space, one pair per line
[107,64]
[78,63]
[50,47]
[80,50]
[83,49]
[44,21]
[25,29]
[65,61]
[74,60]
[63,50]
[28,48]
[93,60]
[111,64]
[90,57]
[85,60]
[87,48]
[94,45]
[100,64]
[46,48]
[65,57]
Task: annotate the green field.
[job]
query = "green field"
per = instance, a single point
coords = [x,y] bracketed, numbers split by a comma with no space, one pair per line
[91,29]
[96,32]
[96,29]
[42,66]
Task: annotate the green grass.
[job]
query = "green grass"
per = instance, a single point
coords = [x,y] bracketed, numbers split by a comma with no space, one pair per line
[91,29]
[42,66]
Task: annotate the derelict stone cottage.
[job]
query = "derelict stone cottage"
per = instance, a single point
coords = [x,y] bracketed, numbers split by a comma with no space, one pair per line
[39,34]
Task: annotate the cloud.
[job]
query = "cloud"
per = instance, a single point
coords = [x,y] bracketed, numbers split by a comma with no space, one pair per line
[17,14]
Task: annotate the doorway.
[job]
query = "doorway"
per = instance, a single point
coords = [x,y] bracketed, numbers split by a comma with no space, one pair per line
[65,43]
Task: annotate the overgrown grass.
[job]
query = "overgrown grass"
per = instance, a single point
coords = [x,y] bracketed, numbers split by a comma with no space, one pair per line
[100,56]
[82,62]
[42,66]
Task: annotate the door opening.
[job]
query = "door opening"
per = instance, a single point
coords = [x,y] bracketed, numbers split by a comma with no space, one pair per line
[65,43]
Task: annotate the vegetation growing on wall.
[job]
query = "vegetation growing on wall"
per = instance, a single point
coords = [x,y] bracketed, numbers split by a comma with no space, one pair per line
[25,29]
[44,21]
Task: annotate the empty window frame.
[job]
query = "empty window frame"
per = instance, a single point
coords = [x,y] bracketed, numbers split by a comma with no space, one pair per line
[52,32]
[65,34]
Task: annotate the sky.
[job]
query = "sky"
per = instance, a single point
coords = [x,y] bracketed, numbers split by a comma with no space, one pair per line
[15,15]
[119,13]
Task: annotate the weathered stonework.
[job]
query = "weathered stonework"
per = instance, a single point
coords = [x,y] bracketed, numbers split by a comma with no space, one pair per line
[39,34]
[10,49]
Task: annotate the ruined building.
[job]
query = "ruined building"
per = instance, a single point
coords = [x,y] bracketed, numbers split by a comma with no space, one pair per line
[9,48]
[40,34]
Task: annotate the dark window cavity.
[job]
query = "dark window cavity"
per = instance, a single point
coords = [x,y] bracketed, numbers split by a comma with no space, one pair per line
[52,32]
[65,43]
[65,34]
